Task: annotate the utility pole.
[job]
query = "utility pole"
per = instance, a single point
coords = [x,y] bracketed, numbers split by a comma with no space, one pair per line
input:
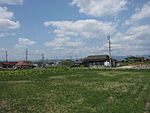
[56,58]
[109,49]
[6,56]
[26,55]
[42,60]
[76,57]
[43,57]
[70,57]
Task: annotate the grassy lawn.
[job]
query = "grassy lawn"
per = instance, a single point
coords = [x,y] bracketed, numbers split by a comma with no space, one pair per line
[66,90]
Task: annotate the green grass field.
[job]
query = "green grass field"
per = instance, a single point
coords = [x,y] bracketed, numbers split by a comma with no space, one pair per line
[70,90]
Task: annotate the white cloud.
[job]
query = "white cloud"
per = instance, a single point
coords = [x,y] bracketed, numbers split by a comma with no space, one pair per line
[4,14]
[139,31]
[71,36]
[132,42]
[78,51]
[11,2]
[58,42]
[100,7]
[63,42]
[6,34]
[5,20]
[3,49]
[82,28]
[6,24]
[142,13]
[24,42]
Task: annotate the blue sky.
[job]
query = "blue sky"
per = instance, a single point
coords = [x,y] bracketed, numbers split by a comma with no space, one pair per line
[70,28]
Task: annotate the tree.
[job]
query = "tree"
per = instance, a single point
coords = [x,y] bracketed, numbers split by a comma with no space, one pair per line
[67,62]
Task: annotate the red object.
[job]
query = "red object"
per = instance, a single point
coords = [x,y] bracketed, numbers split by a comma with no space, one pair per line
[21,64]
[10,63]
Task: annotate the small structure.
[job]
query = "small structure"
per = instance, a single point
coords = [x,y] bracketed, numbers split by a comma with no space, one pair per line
[148,59]
[1,65]
[96,60]
[135,59]
[8,64]
[106,64]
[22,64]
[77,63]
[118,62]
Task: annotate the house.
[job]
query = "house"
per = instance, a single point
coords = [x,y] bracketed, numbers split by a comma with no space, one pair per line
[135,59]
[1,65]
[96,60]
[22,64]
[118,62]
[8,64]
[77,63]
[148,59]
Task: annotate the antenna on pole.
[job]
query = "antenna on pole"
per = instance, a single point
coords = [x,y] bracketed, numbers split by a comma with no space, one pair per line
[26,55]
[6,56]
[109,49]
